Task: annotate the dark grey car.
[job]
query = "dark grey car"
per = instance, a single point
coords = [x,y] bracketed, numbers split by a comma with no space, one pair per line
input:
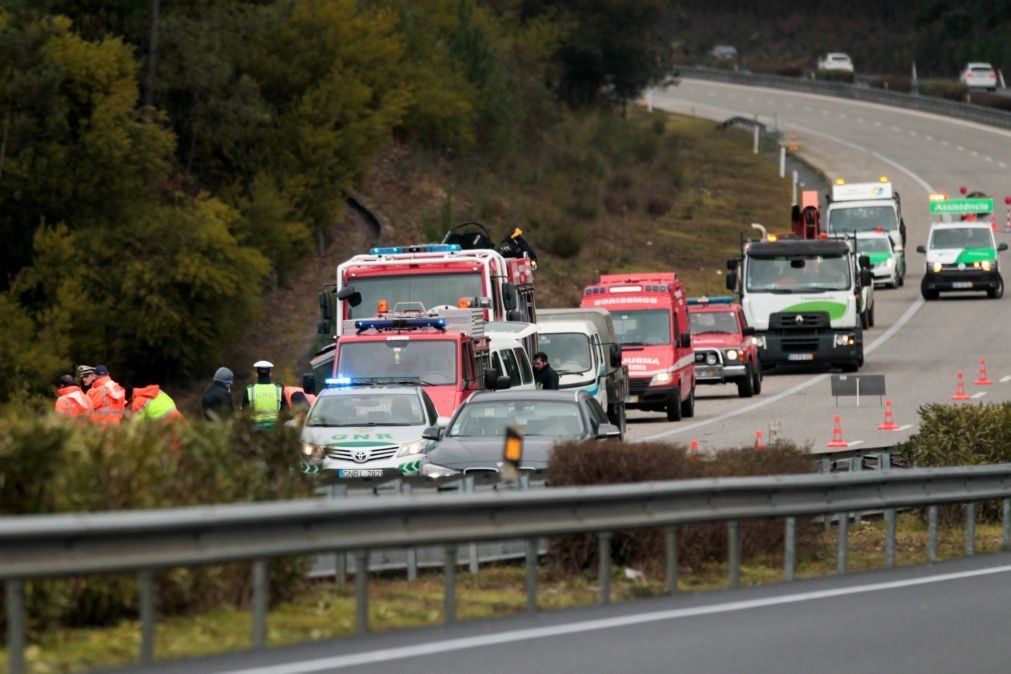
[472,443]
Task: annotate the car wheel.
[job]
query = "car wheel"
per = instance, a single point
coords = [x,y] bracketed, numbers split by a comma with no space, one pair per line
[674,407]
[688,406]
[758,379]
[870,317]
[864,323]
[927,293]
[997,292]
[746,385]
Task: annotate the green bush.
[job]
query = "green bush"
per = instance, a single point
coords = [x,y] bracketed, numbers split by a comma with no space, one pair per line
[833,76]
[951,89]
[617,463]
[51,466]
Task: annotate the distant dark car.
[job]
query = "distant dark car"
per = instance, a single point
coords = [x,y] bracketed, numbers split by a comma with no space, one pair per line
[472,443]
[724,52]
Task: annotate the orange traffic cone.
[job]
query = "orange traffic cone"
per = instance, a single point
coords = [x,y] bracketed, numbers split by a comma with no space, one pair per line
[889,424]
[960,393]
[759,443]
[837,439]
[982,380]
[693,451]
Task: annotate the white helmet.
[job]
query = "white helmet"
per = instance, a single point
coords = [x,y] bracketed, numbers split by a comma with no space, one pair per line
[263,364]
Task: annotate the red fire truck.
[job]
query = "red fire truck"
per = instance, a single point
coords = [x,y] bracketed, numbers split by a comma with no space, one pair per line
[445,351]
[650,314]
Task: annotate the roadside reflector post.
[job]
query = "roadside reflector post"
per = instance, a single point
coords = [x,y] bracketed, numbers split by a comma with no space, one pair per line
[782,162]
[512,454]
[794,188]
[756,138]
[733,553]
[932,533]
[970,529]
[790,549]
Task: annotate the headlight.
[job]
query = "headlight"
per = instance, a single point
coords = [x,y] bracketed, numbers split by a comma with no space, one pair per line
[732,354]
[844,340]
[311,451]
[414,447]
[937,267]
[889,263]
[661,379]
[711,359]
[436,472]
[986,265]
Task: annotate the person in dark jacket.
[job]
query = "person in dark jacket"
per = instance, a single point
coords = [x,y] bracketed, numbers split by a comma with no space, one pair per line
[217,401]
[544,375]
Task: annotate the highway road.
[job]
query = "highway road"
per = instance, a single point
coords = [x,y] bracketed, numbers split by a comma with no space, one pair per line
[919,347]
[929,619]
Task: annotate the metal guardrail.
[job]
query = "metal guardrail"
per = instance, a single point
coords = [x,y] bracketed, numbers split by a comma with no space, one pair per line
[44,546]
[930,104]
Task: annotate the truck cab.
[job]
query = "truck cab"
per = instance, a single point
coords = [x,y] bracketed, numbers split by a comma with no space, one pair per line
[725,352]
[581,346]
[803,298]
[446,352]
[867,207]
[650,315]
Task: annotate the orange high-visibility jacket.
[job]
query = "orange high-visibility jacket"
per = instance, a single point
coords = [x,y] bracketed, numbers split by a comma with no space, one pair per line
[73,403]
[289,391]
[153,403]
[108,401]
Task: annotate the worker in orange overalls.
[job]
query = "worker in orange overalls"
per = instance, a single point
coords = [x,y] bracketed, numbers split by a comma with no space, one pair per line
[108,399]
[71,403]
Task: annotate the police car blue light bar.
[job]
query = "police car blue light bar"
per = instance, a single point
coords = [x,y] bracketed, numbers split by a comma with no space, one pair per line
[710,300]
[399,323]
[338,381]
[417,248]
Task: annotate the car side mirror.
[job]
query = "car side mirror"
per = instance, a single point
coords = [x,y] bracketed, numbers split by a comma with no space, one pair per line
[324,306]
[432,433]
[608,432]
[353,297]
[921,249]
[732,264]
[686,341]
[866,277]
[323,327]
[865,262]
[731,281]
[748,331]
[502,382]
[515,316]
[1001,247]
[309,382]
[615,353]
[509,298]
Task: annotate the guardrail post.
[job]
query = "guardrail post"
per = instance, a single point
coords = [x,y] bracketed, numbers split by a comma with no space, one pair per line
[532,575]
[261,596]
[15,626]
[361,591]
[932,533]
[886,460]
[340,558]
[1006,522]
[790,549]
[449,595]
[890,538]
[671,543]
[604,566]
[970,529]
[412,552]
[842,549]
[733,553]
[146,592]
[473,562]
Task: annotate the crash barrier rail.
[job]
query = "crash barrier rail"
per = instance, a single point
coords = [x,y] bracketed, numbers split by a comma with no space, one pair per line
[143,542]
[856,92]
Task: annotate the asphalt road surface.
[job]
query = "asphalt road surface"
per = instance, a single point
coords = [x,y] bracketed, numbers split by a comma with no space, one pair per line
[946,617]
[919,347]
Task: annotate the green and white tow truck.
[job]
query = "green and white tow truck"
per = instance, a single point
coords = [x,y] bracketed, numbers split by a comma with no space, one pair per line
[804,299]
[867,207]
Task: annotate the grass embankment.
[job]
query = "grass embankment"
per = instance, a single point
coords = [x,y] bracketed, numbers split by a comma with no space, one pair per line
[601,194]
[327,610]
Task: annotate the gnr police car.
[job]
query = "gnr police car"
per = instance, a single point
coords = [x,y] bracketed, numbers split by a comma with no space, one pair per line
[887,264]
[961,256]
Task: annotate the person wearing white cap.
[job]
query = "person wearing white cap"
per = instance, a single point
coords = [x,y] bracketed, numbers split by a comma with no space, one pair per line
[264,398]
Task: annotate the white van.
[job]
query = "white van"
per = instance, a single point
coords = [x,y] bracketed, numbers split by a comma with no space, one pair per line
[582,349]
[508,355]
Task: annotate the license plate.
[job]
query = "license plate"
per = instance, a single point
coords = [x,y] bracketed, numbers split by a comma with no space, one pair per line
[347,473]
[961,285]
[707,372]
[632,399]
[800,356]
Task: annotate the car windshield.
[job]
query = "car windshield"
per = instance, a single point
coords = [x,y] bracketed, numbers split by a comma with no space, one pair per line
[568,352]
[961,237]
[798,274]
[431,290]
[531,417]
[713,322]
[642,328]
[882,245]
[367,409]
[429,362]
[861,219]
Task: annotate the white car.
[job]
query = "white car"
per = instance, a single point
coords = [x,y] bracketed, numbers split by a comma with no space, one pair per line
[979,76]
[887,262]
[836,61]
[961,256]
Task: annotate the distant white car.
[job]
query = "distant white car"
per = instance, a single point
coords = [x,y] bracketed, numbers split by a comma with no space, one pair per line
[836,61]
[979,76]
[724,52]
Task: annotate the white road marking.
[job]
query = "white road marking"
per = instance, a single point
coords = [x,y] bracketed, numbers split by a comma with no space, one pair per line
[904,427]
[960,148]
[1005,379]
[944,142]
[975,154]
[854,443]
[441,647]
[1001,164]
[912,133]
[988,158]
[978,395]
[928,137]
[895,128]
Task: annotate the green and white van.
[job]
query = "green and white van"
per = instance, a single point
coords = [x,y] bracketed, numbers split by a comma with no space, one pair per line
[961,256]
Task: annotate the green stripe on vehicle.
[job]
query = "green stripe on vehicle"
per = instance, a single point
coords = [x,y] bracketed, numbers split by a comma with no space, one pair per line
[878,258]
[360,444]
[835,310]
[970,255]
